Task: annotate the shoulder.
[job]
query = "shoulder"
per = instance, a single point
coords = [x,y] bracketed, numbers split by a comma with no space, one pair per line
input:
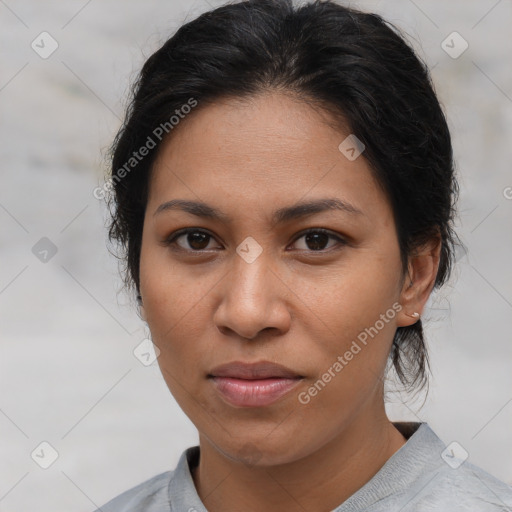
[425,475]
[469,487]
[464,489]
[150,496]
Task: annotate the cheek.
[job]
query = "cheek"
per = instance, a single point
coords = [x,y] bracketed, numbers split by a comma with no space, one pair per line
[174,309]
[356,308]
[352,296]
[176,316]
[168,298]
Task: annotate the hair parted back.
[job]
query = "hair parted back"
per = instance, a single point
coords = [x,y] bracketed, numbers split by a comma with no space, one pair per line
[353,65]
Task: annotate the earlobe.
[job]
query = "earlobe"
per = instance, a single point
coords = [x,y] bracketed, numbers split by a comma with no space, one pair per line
[414,315]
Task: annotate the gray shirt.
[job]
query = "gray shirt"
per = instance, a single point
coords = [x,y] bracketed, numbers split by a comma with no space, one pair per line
[423,475]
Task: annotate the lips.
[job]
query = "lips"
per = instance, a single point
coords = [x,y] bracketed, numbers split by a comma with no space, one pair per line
[250,371]
[253,384]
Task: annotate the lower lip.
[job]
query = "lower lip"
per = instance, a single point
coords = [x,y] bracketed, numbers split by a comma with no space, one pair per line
[253,393]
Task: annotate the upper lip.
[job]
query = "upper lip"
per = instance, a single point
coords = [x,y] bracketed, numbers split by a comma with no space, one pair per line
[260,370]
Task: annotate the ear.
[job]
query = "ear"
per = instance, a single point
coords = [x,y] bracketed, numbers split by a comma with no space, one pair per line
[419,282]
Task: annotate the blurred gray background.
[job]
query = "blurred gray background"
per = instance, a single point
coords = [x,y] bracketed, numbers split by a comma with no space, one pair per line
[68,374]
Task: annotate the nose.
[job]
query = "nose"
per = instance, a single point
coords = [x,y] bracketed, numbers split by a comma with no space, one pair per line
[253,298]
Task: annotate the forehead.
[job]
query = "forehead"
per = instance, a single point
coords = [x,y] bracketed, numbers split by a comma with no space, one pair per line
[262,151]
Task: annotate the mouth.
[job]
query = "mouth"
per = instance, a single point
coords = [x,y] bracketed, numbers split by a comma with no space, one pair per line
[253,385]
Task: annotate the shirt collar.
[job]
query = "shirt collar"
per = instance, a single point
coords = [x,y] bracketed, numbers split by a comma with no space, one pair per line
[423,447]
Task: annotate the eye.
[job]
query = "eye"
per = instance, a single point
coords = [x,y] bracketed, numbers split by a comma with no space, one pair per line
[316,239]
[196,239]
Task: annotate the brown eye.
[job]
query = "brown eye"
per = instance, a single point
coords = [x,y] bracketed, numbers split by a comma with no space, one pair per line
[316,240]
[195,240]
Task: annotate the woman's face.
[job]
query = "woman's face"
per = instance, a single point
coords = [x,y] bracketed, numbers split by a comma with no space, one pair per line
[252,287]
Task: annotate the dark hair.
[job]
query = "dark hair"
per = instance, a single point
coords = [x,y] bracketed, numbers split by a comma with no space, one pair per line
[354,65]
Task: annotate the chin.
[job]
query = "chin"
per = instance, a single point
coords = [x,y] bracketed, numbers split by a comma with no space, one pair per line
[262,453]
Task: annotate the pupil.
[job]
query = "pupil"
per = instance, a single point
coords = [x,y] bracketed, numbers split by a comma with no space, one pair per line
[197,239]
[314,240]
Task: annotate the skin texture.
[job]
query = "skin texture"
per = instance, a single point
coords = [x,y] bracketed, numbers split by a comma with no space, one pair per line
[292,305]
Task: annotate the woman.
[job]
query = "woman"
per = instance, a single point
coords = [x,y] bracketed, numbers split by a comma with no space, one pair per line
[284,193]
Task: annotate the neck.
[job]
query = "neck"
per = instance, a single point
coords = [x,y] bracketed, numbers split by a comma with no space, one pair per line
[321,481]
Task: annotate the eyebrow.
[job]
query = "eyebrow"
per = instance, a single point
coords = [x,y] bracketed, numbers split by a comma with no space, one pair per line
[280,216]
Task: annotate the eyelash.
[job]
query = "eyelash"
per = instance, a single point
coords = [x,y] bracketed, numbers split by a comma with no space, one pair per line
[169,241]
